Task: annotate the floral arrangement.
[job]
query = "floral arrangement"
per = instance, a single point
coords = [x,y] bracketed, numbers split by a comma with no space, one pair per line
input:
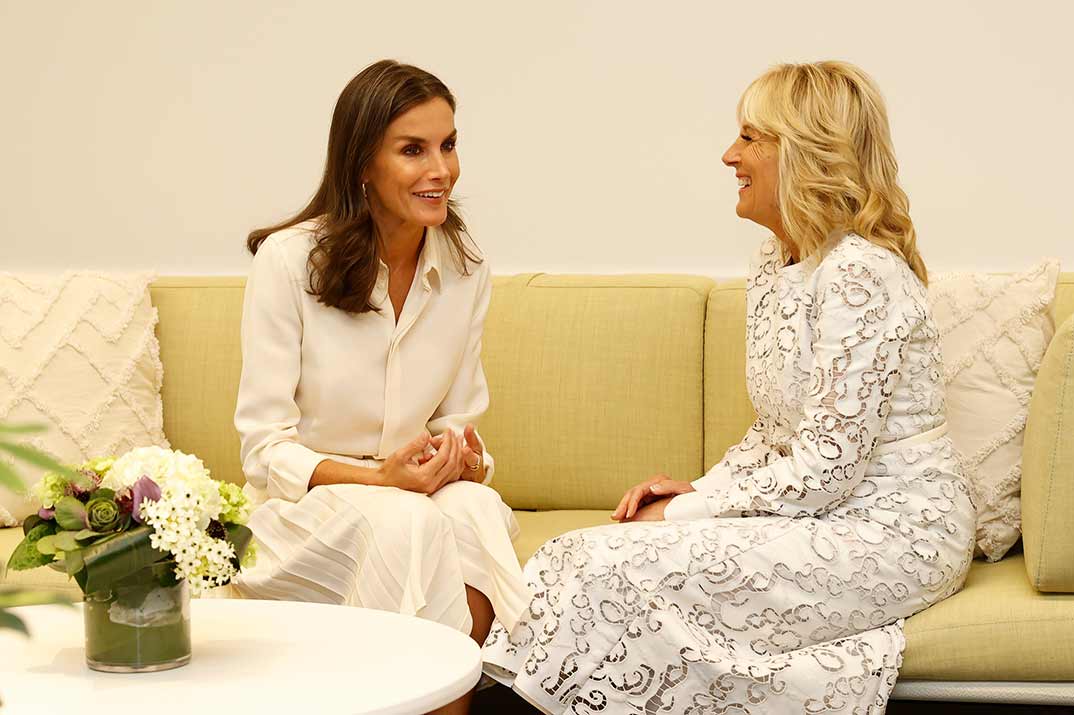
[110,517]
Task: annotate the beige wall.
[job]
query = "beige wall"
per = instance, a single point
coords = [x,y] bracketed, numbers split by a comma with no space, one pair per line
[156,134]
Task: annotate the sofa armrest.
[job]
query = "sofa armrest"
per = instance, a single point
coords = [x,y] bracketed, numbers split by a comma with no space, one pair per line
[1048,469]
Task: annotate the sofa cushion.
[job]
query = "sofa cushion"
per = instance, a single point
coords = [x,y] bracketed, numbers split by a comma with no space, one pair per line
[538,527]
[728,410]
[994,330]
[78,354]
[199,347]
[998,627]
[1048,469]
[595,384]
[34,578]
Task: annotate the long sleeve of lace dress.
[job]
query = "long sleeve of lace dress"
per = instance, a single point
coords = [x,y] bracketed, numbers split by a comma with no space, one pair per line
[859,337]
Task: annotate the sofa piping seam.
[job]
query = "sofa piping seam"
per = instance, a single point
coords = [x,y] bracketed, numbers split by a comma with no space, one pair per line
[704,370]
[691,289]
[990,623]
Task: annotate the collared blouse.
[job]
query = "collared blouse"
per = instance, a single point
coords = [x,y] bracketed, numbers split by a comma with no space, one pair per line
[318,383]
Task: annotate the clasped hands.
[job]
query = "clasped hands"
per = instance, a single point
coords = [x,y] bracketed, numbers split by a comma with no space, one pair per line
[426,463]
[647,501]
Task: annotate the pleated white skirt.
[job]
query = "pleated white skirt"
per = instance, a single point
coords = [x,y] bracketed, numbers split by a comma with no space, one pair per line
[389,549]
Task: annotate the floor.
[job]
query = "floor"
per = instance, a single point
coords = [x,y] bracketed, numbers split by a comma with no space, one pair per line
[498,700]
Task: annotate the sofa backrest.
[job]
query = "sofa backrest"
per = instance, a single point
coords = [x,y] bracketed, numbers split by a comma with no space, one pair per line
[199,348]
[595,383]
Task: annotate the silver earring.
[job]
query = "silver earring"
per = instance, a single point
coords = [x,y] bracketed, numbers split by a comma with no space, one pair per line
[364,193]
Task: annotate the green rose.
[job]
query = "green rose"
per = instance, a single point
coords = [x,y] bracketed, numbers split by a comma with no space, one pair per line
[103,515]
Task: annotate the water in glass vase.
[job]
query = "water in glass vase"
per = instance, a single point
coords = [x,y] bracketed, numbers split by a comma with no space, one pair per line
[141,624]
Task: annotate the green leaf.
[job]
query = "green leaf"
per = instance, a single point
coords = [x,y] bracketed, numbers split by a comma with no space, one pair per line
[65,541]
[112,559]
[9,479]
[239,536]
[30,522]
[47,546]
[21,429]
[72,562]
[87,534]
[26,554]
[33,456]
[71,514]
[104,494]
[16,597]
[13,622]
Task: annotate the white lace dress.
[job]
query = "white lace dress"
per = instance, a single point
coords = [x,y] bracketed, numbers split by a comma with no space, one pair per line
[781,584]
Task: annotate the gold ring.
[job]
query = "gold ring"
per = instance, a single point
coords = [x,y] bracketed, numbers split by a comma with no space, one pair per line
[475,467]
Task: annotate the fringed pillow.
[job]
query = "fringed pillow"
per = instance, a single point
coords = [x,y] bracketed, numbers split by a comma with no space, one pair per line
[994,331]
[78,355]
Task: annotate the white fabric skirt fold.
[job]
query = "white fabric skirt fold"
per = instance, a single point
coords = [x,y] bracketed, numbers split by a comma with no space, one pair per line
[758,615]
[389,549]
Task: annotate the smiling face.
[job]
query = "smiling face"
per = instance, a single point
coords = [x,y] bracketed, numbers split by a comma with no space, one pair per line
[409,180]
[755,159]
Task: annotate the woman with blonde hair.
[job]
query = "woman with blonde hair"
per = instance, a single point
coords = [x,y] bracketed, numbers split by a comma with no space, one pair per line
[779,581]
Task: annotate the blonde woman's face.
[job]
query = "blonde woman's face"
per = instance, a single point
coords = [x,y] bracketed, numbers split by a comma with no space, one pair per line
[755,159]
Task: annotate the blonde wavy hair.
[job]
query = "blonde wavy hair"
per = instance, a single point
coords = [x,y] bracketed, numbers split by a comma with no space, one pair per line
[837,168]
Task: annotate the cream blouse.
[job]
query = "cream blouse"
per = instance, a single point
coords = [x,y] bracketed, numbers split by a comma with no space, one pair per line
[318,383]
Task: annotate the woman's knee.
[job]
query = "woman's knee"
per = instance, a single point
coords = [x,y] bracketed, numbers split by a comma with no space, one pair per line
[418,507]
[462,495]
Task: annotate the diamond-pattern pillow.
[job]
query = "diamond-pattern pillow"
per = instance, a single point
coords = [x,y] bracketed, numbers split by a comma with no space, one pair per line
[994,331]
[78,354]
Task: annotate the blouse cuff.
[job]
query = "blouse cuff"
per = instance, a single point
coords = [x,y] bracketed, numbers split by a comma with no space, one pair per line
[685,507]
[290,470]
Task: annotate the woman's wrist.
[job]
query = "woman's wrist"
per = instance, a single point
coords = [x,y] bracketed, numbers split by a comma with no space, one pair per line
[329,472]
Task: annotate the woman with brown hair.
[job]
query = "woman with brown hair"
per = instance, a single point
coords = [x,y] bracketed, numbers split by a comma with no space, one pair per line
[361,380]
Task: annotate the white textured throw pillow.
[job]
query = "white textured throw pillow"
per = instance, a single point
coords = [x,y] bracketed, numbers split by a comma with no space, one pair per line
[78,354]
[994,331]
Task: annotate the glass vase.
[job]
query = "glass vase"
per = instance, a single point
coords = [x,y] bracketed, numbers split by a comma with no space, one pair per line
[141,624]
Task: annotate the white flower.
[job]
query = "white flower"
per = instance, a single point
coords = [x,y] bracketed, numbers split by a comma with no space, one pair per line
[202,560]
[189,500]
[184,476]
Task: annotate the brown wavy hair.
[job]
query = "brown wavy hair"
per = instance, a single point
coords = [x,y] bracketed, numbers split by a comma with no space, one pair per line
[343,263]
[837,168]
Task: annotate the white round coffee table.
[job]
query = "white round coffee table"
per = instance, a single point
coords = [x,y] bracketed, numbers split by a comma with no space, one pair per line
[248,656]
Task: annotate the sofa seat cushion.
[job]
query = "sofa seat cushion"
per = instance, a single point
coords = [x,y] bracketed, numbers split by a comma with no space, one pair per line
[998,627]
[540,526]
[34,578]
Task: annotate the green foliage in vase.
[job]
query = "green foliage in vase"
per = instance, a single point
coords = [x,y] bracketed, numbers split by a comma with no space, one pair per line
[15,597]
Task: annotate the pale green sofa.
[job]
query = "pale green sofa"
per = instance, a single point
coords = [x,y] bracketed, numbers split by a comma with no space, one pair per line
[599,381]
